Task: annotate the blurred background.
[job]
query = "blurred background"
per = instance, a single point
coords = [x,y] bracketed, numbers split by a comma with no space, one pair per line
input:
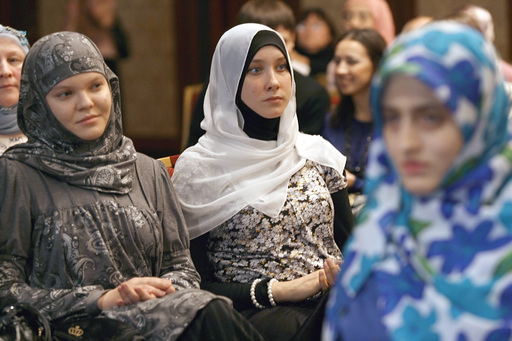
[170,44]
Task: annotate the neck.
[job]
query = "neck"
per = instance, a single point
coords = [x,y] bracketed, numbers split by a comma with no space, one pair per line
[362,106]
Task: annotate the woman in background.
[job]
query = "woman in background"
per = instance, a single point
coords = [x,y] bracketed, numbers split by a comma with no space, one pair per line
[430,257]
[315,38]
[349,126]
[13,48]
[374,14]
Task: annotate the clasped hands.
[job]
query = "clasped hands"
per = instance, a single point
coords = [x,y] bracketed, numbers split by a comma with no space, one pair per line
[135,290]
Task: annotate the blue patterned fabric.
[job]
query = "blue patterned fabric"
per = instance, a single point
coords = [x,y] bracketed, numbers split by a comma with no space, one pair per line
[443,262]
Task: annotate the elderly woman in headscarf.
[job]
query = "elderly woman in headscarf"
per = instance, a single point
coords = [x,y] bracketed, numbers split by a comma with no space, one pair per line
[89,227]
[430,255]
[13,48]
[267,204]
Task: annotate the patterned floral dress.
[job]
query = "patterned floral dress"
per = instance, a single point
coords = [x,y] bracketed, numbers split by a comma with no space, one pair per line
[252,245]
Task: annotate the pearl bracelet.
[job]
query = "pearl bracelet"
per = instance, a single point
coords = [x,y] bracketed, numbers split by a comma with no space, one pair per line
[270,294]
[253,294]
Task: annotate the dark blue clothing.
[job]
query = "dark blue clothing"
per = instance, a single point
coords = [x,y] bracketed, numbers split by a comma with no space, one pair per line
[360,133]
[362,319]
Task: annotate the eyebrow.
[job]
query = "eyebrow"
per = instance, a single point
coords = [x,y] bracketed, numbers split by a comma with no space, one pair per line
[261,60]
[424,106]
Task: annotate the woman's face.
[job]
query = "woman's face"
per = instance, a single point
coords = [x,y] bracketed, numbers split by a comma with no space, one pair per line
[313,34]
[357,16]
[267,86]
[354,68]
[421,135]
[11,61]
[82,104]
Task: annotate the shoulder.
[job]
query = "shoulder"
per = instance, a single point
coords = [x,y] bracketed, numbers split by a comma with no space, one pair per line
[306,84]
[334,180]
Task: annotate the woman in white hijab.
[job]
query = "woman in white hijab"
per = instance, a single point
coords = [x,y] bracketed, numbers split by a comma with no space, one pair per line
[268,203]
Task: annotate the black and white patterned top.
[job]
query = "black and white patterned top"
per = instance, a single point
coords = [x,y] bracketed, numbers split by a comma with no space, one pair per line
[252,245]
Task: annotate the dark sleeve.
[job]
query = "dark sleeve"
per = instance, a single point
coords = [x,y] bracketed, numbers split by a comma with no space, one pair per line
[313,103]
[195,131]
[343,217]
[239,293]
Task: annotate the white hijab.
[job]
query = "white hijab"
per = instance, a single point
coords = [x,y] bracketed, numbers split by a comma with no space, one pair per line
[227,170]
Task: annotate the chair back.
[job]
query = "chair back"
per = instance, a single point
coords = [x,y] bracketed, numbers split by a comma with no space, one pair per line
[190,95]
[169,162]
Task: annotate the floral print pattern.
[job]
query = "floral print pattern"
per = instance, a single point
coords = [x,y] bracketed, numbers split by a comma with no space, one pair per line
[251,244]
[441,259]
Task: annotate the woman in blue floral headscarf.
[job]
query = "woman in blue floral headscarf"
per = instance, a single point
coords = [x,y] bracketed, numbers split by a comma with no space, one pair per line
[431,257]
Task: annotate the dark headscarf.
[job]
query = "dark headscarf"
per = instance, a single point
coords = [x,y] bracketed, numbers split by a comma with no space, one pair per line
[105,164]
[256,126]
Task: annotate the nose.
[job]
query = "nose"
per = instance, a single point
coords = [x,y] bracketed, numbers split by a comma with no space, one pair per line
[84,101]
[273,82]
[5,69]
[341,68]
[409,137]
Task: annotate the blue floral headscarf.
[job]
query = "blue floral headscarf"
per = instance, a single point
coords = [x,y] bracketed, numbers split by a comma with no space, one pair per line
[442,263]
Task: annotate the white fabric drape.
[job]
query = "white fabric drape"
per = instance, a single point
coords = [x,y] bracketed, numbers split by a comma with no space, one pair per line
[227,170]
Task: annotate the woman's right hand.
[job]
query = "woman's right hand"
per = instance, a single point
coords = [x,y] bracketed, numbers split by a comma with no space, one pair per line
[135,290]
[299,289]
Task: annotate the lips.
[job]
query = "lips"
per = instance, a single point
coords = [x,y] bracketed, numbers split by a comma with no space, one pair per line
[413,167]
[273,98]
[88,119]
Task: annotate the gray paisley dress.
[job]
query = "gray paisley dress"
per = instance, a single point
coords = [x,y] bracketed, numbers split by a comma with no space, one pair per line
[62,246]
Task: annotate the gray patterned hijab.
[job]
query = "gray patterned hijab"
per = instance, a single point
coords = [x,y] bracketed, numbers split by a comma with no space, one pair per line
[106,164]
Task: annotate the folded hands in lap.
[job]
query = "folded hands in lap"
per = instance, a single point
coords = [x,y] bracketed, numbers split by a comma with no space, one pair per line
[135,290]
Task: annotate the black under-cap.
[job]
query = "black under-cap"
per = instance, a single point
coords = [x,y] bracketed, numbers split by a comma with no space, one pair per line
[256,126]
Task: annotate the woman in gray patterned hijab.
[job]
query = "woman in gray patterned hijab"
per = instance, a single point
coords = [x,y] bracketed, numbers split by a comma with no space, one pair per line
[89,227]
[105,164]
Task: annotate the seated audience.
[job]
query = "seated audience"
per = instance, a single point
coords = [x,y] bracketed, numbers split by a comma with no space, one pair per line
[349,126]
[88,226]
[13,48]
[430,256]
[265,205]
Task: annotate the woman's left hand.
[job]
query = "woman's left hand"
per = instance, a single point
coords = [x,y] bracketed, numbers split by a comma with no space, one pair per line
[330,273]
